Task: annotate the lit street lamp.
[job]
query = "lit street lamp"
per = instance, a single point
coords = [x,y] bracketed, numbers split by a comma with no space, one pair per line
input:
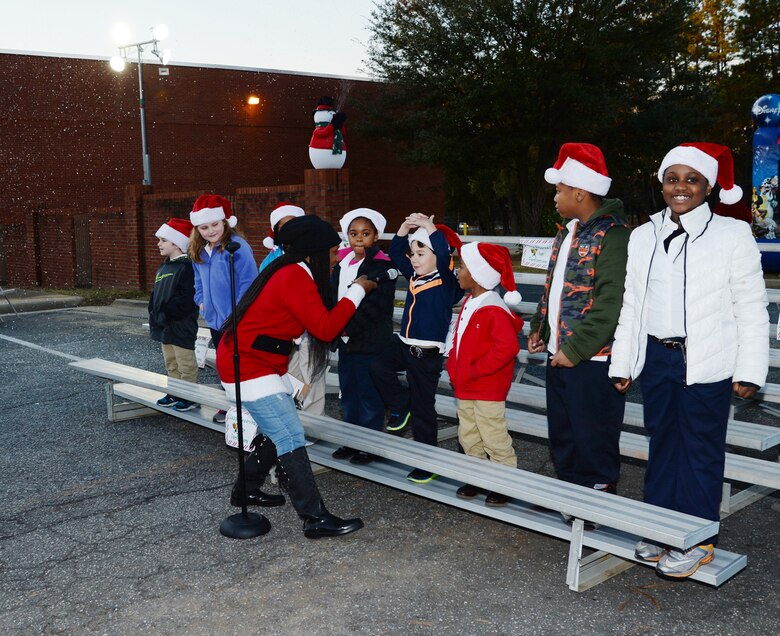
[118,63]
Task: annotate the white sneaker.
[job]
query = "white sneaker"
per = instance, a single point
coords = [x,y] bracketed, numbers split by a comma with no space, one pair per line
[680,565]
[649,552]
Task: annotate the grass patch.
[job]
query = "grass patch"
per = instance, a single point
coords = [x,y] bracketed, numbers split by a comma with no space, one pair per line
[95,296]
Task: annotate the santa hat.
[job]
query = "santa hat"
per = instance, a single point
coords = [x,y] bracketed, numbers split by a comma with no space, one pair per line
[490,265]
[580,166]
[212,207]
[281,210]
[177,231]
[421,235]
[712,160]
[367,213]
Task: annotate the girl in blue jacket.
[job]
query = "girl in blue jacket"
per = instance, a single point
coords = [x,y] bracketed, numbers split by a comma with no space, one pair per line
[214,229]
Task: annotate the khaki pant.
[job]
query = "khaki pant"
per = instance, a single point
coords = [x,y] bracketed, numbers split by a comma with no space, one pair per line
[180,363]
[482,431]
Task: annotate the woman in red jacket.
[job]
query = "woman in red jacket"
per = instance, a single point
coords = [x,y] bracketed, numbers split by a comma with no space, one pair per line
[287,299]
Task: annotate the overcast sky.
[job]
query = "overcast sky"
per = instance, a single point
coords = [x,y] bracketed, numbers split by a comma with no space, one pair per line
[293,35]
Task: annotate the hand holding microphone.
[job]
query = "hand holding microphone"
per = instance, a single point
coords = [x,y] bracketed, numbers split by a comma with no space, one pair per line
[390,274]
[369,284]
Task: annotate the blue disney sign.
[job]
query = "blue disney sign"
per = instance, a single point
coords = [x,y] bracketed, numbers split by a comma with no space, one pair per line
[766,157]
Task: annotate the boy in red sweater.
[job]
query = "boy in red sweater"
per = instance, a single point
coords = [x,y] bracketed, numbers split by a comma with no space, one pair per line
[482,360]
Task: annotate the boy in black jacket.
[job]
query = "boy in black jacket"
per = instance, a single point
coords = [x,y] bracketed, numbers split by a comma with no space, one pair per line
[173,314]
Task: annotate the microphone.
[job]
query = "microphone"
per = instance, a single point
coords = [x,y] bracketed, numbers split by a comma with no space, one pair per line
[390,274]
[233,246]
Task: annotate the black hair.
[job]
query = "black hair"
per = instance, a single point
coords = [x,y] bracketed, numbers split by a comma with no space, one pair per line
[319,264]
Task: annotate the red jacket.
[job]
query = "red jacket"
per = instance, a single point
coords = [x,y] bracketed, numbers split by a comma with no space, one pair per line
[482,365]
[288,305]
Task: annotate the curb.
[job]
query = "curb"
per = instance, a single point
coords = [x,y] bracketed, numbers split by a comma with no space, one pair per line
[39,303]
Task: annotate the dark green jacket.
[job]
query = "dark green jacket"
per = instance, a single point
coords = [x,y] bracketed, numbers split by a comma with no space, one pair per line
[592,292]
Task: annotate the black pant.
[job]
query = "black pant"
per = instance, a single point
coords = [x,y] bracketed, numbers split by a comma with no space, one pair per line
[216,336]
[422,375]
[585,417]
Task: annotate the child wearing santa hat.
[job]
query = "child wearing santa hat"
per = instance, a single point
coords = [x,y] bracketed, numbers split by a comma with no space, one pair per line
[173,314]
[281,213]
[482,359]
[215,226]
[693,324]
[418,348]
[369,331]
[576,318]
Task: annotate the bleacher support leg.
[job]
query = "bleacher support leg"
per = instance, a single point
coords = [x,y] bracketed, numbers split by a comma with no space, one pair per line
[748,495]
[575,553]
[121,411]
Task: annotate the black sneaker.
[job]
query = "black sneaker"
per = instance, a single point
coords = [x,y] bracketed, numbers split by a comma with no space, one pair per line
[419,476]
[362,459]
[219,417]
[343,453]
[397,422]
[184,405]
[167,400]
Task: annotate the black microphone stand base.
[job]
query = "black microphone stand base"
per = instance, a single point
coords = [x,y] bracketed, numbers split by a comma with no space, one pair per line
[239,526]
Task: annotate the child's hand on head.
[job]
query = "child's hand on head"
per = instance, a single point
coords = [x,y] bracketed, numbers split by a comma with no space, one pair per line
[422,220]
[406,227]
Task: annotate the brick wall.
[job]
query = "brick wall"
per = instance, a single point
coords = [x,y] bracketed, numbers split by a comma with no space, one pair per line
[71,141]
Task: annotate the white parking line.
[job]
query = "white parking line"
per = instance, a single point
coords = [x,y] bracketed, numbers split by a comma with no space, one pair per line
[32,345]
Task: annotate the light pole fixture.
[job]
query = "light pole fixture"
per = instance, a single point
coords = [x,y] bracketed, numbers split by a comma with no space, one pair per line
[118,63]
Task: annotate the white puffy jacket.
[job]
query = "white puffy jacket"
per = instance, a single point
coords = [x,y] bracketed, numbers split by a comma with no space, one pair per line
[726,318]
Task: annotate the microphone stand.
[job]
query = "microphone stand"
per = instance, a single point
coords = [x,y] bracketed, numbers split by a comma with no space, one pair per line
[243,525]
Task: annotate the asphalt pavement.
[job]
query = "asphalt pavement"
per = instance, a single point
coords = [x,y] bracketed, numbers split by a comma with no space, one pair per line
[112,528]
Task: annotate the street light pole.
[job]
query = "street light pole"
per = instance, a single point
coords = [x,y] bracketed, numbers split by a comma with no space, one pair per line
[144,148]
[118,62]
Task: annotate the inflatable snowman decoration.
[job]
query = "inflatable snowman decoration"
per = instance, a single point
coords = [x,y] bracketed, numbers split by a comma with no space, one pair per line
[327,148]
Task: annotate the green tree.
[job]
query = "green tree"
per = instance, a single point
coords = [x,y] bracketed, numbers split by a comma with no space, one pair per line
[489,89]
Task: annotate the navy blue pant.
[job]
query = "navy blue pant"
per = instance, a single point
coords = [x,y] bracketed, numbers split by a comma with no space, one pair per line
[585,417]
[687,427]
[422,375]
[361,403]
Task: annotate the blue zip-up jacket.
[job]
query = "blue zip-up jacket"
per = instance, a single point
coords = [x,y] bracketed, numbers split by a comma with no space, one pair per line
[212,280]
[429,301]
[272,256]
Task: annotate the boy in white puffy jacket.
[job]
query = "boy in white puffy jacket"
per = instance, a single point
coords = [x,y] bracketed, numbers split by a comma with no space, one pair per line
[694,323]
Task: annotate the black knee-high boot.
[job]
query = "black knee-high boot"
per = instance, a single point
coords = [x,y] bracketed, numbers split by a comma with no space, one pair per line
[296,478]
[256,468]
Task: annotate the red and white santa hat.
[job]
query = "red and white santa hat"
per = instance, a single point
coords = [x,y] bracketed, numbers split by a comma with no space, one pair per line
[281,210]
[421,235]
[580,166]
[212,207]
[711,160]
[367,213]
[490,265]
[177,231]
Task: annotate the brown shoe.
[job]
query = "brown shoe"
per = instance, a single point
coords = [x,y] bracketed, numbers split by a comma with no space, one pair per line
[496,500]
[468,491]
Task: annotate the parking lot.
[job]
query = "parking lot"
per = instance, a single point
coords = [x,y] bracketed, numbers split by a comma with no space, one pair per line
[113,529]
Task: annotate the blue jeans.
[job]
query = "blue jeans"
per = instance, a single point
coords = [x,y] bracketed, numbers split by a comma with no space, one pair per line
[276,417]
